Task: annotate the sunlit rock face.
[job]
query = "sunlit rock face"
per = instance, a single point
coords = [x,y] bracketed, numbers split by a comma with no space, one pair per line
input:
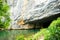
[42,10]
[26,11]
[17,9]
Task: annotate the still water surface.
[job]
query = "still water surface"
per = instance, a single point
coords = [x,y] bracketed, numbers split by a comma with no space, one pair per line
[11,34]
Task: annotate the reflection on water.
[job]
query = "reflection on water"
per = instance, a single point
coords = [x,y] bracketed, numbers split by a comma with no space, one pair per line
[11,34]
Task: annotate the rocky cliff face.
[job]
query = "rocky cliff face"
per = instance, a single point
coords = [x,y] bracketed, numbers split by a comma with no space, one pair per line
[42,10]
[34,11]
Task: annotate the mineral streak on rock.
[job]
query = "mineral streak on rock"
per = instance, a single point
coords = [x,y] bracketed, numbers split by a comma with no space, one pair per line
[21,22]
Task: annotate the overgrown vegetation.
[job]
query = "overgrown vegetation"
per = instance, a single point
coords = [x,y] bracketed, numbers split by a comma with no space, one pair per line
[20,37]
[4,15]
[50,33]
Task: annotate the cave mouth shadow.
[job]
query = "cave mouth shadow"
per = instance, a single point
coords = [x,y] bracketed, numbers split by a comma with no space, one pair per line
[41,25]
[44,23]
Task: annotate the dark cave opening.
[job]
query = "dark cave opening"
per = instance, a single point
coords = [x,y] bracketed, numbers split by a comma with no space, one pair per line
[44,23]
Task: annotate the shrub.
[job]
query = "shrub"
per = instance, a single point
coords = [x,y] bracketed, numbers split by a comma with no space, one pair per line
[54,28]
[20,37]
[50,33]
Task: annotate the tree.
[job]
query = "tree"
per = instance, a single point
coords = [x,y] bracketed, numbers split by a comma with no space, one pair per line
[4,15]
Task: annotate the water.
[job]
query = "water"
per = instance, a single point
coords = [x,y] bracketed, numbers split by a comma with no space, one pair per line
[12,34]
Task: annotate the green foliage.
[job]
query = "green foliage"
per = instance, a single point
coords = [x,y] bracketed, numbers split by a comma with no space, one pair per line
[43,33]
[54,28]
[50,33]
[4,15]
[20,37]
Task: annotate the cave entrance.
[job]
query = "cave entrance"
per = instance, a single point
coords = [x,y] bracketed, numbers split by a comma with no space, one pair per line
[44,23]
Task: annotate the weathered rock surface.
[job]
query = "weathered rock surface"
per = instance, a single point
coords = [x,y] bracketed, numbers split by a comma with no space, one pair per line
[33,11]
[42,12]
